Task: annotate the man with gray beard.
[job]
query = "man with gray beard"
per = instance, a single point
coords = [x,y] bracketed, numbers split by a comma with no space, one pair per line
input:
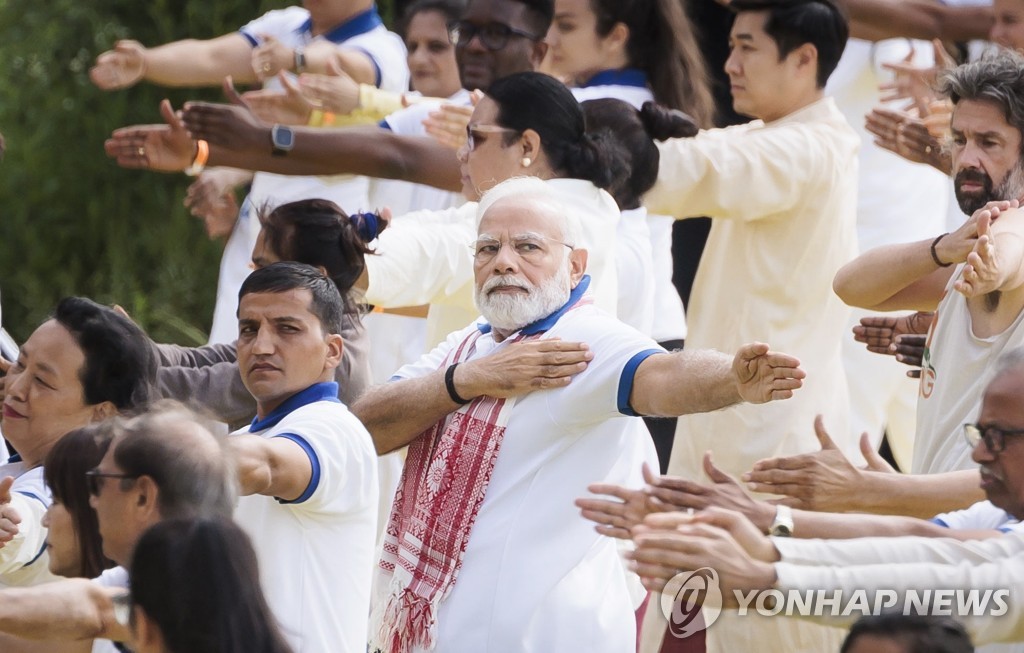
[973,278]
[507,422]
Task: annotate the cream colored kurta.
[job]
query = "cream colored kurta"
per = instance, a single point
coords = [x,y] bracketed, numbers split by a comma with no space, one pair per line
[783,195]
[427,259]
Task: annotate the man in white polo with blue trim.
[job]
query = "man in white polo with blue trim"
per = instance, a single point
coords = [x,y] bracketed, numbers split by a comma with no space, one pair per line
[307,467]
[508,419]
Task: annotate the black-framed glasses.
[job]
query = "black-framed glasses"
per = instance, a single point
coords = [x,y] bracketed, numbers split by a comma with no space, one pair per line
[993,436]
[493,36]
[94,479]
[474,132]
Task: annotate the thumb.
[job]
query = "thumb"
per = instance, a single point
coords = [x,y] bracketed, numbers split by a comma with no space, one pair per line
[714,473]
[290,86]
[334,68]
[984,221]
[5,489]
[874,461]
[231,93]
[645,469]
[942,58]
[823,437]
[169,116]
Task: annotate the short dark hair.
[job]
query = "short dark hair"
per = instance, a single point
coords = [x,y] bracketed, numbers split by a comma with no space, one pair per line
[120,366]
[917,633]
[791,23]
[317,232]
[161,445]
[542,12]
[540,102]
[198,581]
[450,9]
[283,276]
[64,473]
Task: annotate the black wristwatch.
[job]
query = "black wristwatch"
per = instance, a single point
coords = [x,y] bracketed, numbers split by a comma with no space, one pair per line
[282,138]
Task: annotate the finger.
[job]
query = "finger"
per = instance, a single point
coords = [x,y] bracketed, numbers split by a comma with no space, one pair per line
[612,490]
[823,437]
[614,531]
[169,116]
[231,93]
[795,492]
[714,473]
[289,84]
[5,489]
[665,521]
[648,475]
[871,456]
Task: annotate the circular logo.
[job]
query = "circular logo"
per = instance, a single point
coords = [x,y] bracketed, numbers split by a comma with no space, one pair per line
[691,601]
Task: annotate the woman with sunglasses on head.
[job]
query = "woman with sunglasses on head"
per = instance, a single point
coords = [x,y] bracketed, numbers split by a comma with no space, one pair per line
[195,588]
[83,365]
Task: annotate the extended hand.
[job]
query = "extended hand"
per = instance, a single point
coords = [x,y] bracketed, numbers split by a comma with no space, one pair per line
[615,517]
[211,197]
[879,332]
[270,57]
[763,375]
[227,126]
[288,106]
[121,67]
[907,136]
[724,492]
[981,275]
[448,124]
[336,92]
[523,367]
[824,480]
[167,148]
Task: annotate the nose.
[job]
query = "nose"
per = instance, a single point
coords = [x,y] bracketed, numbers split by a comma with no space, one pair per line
[462,154]
[45,521]
[263,342]
[15,384]
[506,260]
[981,453]
[732,64]
[970,156]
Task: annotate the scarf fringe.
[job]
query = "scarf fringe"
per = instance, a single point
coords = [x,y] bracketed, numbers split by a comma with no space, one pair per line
[407,620]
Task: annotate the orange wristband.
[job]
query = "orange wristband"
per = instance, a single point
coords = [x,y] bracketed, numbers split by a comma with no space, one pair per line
[202,156]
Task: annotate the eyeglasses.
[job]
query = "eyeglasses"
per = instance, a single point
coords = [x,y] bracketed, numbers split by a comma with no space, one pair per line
[94,479]
[493,36]
[994,438]
[529,247]
[474,132]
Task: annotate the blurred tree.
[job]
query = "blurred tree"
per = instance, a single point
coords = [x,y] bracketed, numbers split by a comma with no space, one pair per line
[71,221]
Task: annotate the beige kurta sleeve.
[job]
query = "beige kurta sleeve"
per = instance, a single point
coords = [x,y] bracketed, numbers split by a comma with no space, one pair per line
[745,172]
[424,258]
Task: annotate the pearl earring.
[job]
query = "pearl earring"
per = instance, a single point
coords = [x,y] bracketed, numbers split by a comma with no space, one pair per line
[527,162]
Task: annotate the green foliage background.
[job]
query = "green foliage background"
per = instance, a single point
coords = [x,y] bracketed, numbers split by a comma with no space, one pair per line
[71,221]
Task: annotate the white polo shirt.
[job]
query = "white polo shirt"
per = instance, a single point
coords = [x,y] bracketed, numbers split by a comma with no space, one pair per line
[316,553]
[24,561]
[535,575]
[292,26]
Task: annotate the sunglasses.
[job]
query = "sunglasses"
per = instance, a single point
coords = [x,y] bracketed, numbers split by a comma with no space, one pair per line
[493,36]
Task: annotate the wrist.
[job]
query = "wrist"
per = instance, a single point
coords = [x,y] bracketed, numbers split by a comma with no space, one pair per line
[939,255]
[763,516]
[455,385]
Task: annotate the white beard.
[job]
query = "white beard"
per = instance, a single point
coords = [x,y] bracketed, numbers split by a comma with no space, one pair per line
[511,312]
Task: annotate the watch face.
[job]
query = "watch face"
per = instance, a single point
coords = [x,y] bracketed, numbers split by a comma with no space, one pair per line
[282,137]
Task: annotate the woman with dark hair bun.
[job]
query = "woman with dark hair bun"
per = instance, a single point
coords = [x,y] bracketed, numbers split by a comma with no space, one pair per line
[195,588]
[316,232]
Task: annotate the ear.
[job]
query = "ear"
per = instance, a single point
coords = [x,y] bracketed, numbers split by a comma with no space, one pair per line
[147,496]
[805,58]
[530,145]
[578,263]
[335,348]
[618,38]
[103,410]
[145,633]
[537,54]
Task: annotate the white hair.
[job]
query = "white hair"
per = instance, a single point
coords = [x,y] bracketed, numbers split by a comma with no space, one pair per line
[531,190]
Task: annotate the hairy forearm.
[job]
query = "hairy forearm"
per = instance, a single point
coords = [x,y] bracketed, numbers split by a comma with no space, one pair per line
[685,382]
[395,413]
[66,610]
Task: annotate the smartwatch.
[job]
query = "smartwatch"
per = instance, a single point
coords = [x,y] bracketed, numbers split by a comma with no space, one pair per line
[782,525]
[282,138]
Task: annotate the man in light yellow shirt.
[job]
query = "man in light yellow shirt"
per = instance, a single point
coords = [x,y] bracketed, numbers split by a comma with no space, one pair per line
[782,191]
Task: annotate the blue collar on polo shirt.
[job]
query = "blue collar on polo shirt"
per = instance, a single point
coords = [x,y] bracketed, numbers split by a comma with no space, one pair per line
[325,391]
[358,24]
[545,324]
[621,77]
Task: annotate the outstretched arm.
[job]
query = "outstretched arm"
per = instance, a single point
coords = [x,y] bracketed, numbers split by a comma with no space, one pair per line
[875,20]
[668,385]
[72,609]
[395,413]
[181,63]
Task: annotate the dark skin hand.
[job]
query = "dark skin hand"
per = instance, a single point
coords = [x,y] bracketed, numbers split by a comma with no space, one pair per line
[902,336]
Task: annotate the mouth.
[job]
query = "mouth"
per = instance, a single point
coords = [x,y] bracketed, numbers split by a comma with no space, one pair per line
[11,413]
[989,479]
[507,290]
[971,187]
[259,368]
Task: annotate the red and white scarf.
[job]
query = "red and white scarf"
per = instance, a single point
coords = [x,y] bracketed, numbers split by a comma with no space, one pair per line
[446,475]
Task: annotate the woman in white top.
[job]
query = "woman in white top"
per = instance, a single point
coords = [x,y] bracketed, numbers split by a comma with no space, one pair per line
[637,51]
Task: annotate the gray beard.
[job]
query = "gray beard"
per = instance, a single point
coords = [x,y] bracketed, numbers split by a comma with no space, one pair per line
[513,312]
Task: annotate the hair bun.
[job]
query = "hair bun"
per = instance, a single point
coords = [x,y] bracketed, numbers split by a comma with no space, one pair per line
[663,123]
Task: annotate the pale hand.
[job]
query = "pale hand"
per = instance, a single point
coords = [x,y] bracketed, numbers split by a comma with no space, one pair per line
[9,517]
[762,375]
[167,148]
[337,92]
[287,106]
[211,197]
[824,480]
[615,517]
[523,367]
[121,67]
[271,57]
[981,274]
[447,125]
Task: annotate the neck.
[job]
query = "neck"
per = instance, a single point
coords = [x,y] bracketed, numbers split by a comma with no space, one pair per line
[332,17]
[501,334]
[798,102]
